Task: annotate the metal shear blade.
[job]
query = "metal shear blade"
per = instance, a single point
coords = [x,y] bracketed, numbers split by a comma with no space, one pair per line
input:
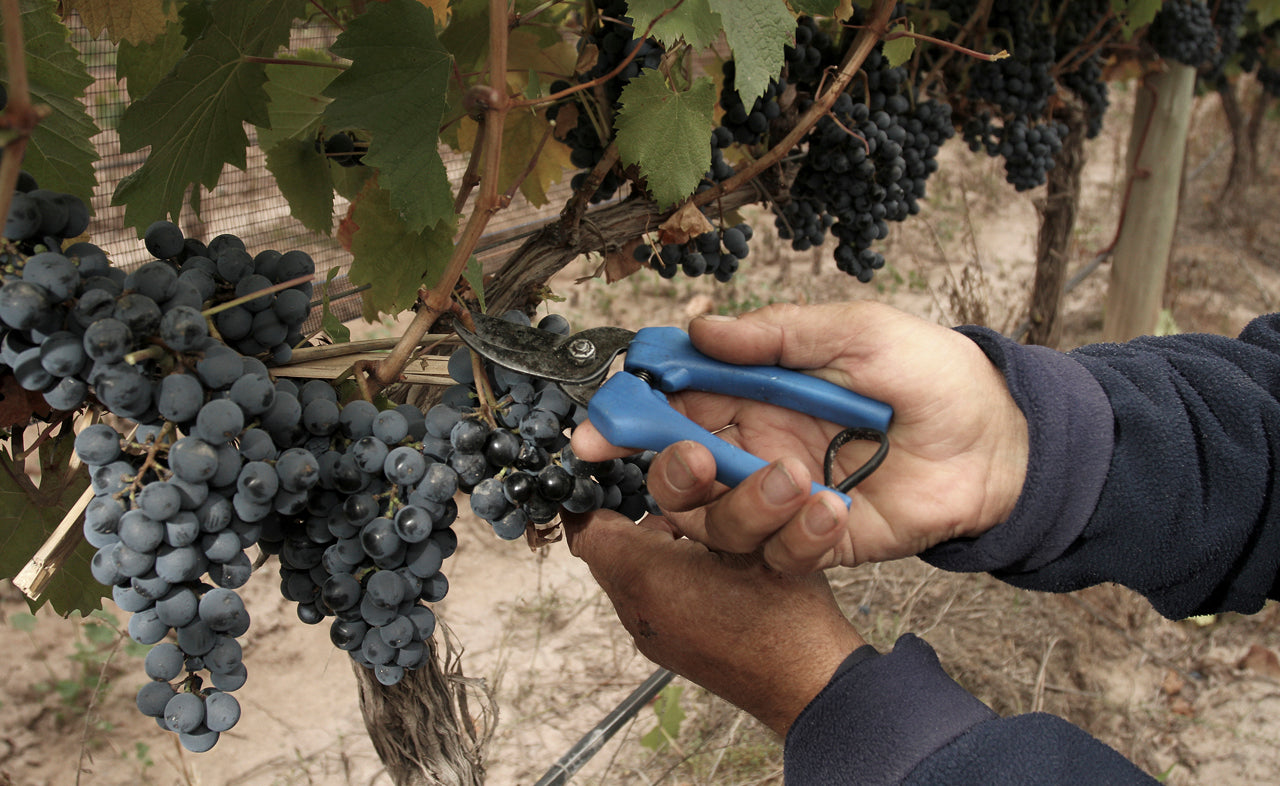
[579,362]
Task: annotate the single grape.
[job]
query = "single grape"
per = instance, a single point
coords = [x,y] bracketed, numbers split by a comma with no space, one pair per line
[164,662]
[163,239]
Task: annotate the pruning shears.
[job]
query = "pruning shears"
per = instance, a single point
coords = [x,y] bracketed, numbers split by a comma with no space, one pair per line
[629,408]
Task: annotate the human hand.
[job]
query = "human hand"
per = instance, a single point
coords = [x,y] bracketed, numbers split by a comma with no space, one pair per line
[955,467]
[761,640]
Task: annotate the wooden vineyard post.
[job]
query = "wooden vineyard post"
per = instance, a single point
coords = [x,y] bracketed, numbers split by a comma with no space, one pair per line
[1149,216]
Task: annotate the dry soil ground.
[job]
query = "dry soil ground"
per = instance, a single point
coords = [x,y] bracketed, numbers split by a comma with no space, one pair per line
[1197,702]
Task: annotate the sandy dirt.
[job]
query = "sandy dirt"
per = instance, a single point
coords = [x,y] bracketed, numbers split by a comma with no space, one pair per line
[1196,702]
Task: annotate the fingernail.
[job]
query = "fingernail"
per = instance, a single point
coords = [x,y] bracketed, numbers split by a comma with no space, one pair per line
[779,486]
[819,519]
[679,476]
[718,318]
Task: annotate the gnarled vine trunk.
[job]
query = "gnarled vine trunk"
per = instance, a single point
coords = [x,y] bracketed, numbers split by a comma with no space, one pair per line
[422,727]
[1057,225]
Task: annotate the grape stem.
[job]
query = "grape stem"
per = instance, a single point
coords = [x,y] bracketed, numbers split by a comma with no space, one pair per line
[149,462]
[964,50]
[329,14]
[577,206]
[283,285]
[868,35]
[439,299]
[153,352]
[600,80]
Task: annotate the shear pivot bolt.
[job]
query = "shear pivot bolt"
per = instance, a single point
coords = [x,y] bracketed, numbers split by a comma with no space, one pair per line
[581,350]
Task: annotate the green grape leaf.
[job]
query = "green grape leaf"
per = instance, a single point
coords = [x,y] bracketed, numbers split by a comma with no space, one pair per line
[1135,14]
[340,333]
[1268,11]
[32,513]
[395,89]
[693,21]
[296,93]
[302,173]
[141,66]
[193,119]
[665,133]
[60,154]
[815,7]
[386,254]
[899,50]
[473,274]
[757,31]
[670,715]
[349,180]
[136,21]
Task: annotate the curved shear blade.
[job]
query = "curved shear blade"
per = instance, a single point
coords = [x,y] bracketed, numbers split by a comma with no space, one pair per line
[581,359]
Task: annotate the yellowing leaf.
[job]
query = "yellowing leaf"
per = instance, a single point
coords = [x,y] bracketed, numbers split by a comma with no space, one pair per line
[522,134]
[137,21]
[440,8]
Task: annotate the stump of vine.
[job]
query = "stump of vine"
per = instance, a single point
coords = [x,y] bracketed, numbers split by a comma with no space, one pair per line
[1245,125]
[422,727]
[1157,143]
[1057,223]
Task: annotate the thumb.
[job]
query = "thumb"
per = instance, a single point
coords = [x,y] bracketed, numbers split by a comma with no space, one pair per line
[610,543]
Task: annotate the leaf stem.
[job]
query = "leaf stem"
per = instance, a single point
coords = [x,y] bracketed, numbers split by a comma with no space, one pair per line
[862,45]
[964,50]
[328,14]
[600,80]
[290,61]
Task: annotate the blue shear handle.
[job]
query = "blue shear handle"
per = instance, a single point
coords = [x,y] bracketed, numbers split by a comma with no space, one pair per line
[668,354]
[631,414]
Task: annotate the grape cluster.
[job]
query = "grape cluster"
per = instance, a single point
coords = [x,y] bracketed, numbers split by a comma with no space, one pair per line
[363,530]
[614,40]
[749,126]
[166,514]
[810,56]
[519,469]
[1029,150]
[71,324]
[223,272]
[1228,16]
[1084,23]
[1183,30]
[866,164]
[716,253]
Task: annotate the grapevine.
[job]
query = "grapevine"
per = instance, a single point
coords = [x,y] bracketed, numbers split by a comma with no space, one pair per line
[201,449]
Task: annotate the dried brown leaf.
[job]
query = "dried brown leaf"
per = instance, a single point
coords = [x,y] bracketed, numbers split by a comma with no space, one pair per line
[686,223]
[1261,660]
[19,406]
[621,263]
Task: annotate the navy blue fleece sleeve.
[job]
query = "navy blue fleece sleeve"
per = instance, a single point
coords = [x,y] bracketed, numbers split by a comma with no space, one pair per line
[898,718]
[1187,512]
[1152,464]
